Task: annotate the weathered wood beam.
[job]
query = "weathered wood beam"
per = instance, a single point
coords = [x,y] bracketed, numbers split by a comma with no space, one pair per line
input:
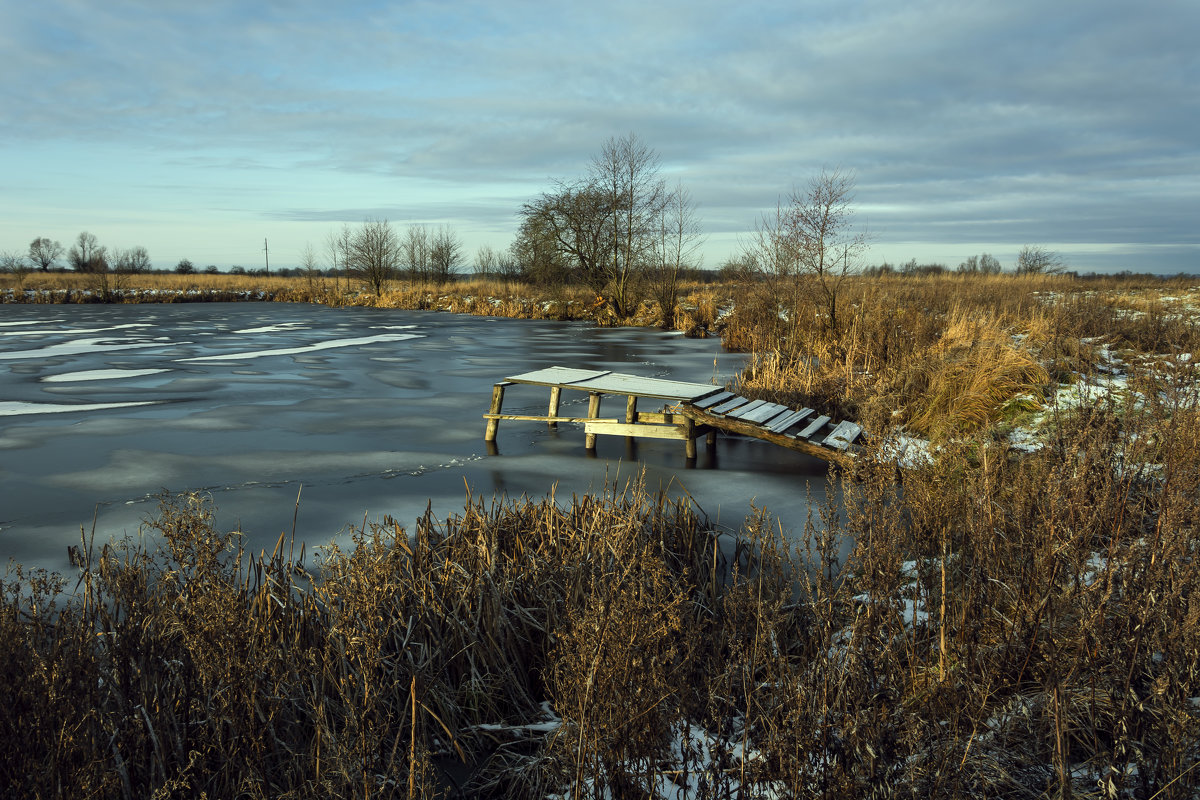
[589,439]
[544,418]
[493,421]
[758,432]
[555,396]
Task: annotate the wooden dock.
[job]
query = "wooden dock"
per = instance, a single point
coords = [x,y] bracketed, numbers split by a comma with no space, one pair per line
[691,410]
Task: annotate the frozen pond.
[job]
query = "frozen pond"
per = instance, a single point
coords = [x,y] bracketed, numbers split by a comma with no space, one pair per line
[372,412]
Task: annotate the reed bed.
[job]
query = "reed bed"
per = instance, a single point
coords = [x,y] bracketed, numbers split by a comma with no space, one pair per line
[1002,627]
[947,355]
[696,312]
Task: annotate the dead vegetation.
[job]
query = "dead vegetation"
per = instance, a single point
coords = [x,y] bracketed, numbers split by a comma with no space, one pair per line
[947,355]
[1003,627]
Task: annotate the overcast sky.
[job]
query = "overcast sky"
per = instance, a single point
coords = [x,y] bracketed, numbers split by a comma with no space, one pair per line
[197,129]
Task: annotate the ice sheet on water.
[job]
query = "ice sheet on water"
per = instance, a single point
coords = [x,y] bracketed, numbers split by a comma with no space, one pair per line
[42,330]
[79,347]
[100,375]
[278,328]
[309,348]
[14,408]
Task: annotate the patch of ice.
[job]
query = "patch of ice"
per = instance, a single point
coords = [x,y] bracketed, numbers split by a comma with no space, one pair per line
[77,347]
[282,326]
[99,375]
[310,348]
[13,408]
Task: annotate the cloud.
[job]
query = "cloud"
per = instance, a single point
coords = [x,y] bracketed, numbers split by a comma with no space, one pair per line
[1013,121]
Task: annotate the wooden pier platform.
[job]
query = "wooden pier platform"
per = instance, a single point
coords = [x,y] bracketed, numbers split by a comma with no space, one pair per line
[692,410]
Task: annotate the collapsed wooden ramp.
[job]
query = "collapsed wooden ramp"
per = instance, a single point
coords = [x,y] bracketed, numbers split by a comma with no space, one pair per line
[803,429]
[692,410]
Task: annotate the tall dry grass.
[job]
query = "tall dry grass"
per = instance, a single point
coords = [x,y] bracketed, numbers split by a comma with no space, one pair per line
[945,355]
[1002,627]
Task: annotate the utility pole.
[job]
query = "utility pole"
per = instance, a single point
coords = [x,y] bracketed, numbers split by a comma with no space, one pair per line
[266,256]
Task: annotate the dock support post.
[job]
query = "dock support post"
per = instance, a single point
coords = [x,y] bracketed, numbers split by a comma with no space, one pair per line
[711,439]
[555,395]
[631,409]
[489,434]
[689,427]
[589,441]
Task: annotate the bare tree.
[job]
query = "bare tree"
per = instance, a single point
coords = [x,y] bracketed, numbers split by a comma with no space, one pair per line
[44,253]
[87,255]
[1037,260]
[445,254]
[337,249]
[15,264]
[508,265]
[605,225]
[310,270]
[573,223]
[133,260]
[770,253]
[676,241]
[979,265]
[818,232]
[626,170]
[375,254]
[416,252]
[485,261]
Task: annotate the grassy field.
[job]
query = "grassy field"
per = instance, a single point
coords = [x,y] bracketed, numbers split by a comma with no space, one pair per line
[1019,616]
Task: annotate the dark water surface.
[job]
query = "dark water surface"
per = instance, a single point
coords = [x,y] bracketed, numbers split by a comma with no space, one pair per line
[373,412]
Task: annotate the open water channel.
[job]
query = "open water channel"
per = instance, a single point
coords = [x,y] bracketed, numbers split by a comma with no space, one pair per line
[361,412]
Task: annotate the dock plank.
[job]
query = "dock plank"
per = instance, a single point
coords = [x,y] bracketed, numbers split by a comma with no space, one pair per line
[812,427]
[781,424]
[551,376]
[763,414]
[741,411]
[729,405]
[713,399]
[843,435]
[660,388]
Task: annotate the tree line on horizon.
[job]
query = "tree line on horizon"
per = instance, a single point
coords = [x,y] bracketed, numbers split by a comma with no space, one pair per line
[618,229]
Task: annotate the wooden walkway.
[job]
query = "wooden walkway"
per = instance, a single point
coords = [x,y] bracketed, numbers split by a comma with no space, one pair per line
[693,410]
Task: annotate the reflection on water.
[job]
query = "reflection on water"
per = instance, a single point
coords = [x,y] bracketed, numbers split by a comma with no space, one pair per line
[373,412]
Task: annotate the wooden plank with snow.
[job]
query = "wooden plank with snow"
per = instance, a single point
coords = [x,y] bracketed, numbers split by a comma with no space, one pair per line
[782,423]
[714,398]
[812,427]
[843,435]
[741,411]
[730,404]
[765,413]
[556,376]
